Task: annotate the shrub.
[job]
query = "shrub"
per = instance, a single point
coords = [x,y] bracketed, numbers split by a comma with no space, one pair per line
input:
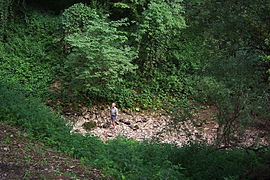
[200,161]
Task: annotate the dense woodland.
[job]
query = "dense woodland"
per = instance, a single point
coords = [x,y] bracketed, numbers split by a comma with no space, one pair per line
[171,55]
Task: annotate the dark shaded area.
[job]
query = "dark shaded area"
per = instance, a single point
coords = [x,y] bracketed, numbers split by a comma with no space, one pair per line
[52,5]
[10,168]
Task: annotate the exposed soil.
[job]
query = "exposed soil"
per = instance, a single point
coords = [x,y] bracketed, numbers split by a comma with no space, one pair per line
[22,158]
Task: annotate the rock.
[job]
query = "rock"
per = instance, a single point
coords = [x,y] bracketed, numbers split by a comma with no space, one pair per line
[86,116]
[135,127]
[110,135]
[199,124]
[126,111]
[125,122]
[261,135]
[106,125]
[131,126]
[6,149]
[137,120]
[89,125]
[144,119]
[92,116]
[102,115]
[102,108]
[100,120]
[68,113]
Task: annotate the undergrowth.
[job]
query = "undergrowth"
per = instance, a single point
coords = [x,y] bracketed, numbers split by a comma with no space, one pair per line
[123,158]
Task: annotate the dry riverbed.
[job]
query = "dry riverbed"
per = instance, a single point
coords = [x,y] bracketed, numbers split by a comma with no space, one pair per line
[156,126]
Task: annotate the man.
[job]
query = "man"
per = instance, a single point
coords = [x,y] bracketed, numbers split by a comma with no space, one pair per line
[114,114]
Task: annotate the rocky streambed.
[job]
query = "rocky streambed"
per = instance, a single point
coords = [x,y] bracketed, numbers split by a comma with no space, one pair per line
[154,126]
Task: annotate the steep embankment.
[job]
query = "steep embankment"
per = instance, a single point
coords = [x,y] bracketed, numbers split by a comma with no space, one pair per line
[156,125]
[21,157]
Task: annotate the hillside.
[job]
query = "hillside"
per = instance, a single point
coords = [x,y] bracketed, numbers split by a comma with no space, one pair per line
[25,158]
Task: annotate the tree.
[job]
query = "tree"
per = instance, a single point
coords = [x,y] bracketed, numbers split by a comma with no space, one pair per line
[99,56]
[161,22]
[237,32]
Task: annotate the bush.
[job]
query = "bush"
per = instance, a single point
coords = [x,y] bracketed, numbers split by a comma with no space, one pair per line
[200,161]
[140,160]
[209,91]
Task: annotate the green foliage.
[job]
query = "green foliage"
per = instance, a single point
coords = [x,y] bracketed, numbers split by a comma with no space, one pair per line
[124,95]
[205,162]
[209,91]
[181,110]
[220,59]
[30,114]
[161,22]
[78,17]
[190,53]
[30,51]
[234,87]
[134,160]
[5,12]
[121,5]
[234,77]
[122,158]
[264,65]
[40,123]
[99,57]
